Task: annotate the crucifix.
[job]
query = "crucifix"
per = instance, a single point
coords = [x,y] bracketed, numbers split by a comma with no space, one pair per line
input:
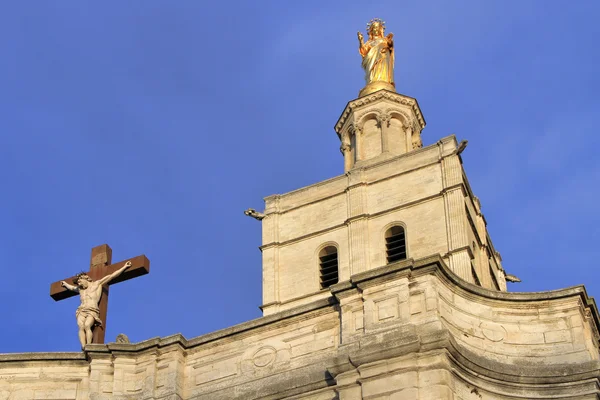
[93,286]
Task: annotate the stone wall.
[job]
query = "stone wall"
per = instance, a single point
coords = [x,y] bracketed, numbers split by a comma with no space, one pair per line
[408,330]
[424,190]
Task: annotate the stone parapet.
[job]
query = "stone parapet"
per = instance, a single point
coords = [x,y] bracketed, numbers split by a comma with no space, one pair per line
[410,330]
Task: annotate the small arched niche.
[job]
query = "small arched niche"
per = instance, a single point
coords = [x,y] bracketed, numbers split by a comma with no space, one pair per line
[371,139]
[396,136]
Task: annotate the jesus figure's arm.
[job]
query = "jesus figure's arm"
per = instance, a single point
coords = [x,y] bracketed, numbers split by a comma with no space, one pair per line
[112,276]
[69,287]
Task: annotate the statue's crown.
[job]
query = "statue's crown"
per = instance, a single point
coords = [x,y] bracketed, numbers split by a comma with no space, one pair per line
[81,275]
[374,20]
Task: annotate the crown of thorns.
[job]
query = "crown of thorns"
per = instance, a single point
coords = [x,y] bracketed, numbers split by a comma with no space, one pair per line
[81,275]
[375,20]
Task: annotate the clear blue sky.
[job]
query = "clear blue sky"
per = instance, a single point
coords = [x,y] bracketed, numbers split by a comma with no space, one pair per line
[151,126]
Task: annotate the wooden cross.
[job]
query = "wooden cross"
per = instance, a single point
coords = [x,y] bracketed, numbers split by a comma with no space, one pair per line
[100,266]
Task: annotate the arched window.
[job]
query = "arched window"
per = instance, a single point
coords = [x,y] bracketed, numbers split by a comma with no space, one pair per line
[395,244]
[328,266]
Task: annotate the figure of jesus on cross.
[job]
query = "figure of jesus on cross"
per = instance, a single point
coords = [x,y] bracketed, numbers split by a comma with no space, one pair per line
[88,313]
[93,286]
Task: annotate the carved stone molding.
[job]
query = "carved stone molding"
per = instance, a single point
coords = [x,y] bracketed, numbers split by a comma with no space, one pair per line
[382,94]
[406,119]
[345,147]
[266,356]
[361,118]
[383,117]
[417,143]
[351,130]
[345,138]
[492,332]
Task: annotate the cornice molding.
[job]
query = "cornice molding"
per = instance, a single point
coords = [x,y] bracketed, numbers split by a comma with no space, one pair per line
[381,94]
[48,356]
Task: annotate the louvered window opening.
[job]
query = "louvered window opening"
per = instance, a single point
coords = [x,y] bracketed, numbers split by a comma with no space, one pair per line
[395,244]
[328,261]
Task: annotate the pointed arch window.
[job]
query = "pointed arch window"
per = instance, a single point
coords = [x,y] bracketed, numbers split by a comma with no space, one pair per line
[395,244]
[328,266]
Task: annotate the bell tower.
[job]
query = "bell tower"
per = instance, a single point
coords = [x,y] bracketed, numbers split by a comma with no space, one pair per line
[379,126]
[397,201]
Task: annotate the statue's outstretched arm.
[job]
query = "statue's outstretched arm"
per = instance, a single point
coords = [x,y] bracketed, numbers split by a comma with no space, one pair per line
[69,287]
[112,276]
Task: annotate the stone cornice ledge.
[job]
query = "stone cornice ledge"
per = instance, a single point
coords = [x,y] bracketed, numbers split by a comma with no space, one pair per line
[478,365]
[450,139]
[436,265]
[57,356]
[103,350]
[380,94]
[185,344]
[401,341]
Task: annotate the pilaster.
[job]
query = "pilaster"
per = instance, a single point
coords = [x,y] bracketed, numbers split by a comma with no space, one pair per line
[352,313]
[101,379]
[125,382]
[383,121]
[347,149]
[270,255]
[451,171]
[459,255]
[348,385]
[357,222]
[135,376]
[170,373]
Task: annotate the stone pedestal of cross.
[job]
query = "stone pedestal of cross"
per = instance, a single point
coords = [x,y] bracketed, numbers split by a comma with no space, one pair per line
[100,267]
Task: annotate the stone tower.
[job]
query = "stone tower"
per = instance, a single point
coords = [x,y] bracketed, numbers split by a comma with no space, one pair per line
[390,180]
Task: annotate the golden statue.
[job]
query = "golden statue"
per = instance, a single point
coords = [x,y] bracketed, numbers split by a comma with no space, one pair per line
[377,58]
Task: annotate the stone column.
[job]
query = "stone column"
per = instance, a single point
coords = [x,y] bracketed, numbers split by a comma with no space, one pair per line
[346,149]
[409,134]
[358,142]
[384,124]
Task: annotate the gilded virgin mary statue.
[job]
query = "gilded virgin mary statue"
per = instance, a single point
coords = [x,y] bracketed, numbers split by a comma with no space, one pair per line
[377,58]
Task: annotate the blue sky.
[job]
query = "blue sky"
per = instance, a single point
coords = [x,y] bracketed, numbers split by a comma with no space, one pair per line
[151,125]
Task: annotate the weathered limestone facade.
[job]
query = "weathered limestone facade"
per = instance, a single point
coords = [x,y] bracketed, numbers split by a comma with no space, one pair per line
[436,325]
[409,330]
[390,180]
